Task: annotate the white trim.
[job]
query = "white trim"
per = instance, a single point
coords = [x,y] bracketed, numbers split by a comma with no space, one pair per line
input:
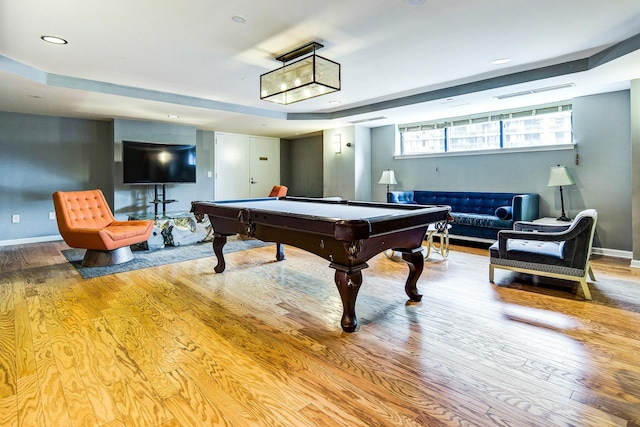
[40,239]
[616,253]
[635,263]
[485,152]
[471,239]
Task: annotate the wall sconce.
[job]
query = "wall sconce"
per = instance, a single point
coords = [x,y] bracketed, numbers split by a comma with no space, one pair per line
[337,143]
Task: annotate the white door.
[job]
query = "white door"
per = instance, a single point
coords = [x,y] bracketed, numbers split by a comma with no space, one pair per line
[232,167]
[264,165]
[245,166]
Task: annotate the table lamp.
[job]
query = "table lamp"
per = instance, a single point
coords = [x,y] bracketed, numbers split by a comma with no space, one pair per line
[558,177]
[388,177]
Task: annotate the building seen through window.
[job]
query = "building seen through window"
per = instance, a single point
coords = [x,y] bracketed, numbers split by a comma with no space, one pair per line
[530,128]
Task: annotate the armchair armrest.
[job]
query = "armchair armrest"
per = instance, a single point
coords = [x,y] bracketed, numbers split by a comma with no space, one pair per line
[572,232]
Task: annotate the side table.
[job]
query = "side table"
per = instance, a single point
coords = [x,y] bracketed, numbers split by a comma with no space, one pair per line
[442,230]
[442,248]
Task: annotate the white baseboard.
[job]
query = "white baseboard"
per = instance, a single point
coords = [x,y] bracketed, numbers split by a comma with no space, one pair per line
[471,239]
[616,253]
[31,240]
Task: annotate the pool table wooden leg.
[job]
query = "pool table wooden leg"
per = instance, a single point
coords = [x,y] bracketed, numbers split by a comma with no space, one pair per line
[415,260]
[218,243]
[348,281]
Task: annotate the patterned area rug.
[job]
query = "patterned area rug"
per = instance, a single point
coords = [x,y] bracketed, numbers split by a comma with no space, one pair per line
[166,255]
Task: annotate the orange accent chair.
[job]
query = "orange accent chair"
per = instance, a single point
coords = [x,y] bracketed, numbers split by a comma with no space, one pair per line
[85,221]
[278,191]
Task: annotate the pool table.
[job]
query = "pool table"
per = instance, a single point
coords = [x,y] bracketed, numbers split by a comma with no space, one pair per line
[346,233]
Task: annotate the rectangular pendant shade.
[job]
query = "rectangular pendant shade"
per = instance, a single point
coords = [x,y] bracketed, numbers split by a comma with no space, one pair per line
[303,79]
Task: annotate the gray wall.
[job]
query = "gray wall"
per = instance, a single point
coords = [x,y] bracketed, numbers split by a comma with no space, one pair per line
[40,155]
[338,168]
[361,145]
[285,163]
[304,177]
[602,129]
[635,168]
[135,199]
[205,152]
[347,174]
[601,126]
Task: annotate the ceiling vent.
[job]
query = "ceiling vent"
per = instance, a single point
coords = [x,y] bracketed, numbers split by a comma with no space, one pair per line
[532,91]
[355,122]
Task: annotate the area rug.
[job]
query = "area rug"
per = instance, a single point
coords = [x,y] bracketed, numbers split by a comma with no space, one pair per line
[166,255]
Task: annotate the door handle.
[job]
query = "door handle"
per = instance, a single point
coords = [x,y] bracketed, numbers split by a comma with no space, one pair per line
[253,182]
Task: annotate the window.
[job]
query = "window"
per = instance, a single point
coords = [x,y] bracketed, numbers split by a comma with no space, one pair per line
[539,127]
[420,141]
[475,136]
[546,129]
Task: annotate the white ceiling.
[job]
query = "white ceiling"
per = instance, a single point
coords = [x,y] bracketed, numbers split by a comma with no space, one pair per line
[148,59]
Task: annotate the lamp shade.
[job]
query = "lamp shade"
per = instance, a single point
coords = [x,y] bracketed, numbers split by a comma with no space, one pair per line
[388,177]
[559,176]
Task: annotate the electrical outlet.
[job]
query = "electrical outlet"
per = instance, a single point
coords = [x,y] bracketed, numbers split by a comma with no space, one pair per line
[209,174]
[15,218]
[52,215]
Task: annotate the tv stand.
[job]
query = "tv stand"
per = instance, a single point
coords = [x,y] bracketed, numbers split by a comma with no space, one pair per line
[157,200]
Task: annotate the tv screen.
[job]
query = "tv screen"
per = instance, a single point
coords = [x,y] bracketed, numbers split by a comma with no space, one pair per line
[153,163]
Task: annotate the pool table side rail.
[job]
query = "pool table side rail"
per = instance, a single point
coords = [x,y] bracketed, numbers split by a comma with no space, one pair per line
[340,229]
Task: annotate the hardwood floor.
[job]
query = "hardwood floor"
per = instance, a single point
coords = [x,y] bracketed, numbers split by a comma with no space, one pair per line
[261,345]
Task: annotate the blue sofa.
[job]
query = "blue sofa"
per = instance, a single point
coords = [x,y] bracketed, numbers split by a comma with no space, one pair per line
[476,214]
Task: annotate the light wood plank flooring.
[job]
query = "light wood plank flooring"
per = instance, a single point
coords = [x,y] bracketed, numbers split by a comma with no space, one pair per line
[261,345]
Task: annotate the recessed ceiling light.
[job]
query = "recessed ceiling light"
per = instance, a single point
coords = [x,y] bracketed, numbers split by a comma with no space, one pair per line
[53,39]
[334,102]
[414,2]
[238,19]
[500,61]
[173,116]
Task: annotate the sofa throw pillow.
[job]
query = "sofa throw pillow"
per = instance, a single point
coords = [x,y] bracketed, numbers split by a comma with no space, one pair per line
[504,212]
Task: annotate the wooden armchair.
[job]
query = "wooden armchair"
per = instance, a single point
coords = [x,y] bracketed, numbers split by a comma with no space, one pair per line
[85,221]
[559,251]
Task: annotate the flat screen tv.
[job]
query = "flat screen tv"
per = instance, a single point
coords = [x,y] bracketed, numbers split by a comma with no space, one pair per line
[154,163]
